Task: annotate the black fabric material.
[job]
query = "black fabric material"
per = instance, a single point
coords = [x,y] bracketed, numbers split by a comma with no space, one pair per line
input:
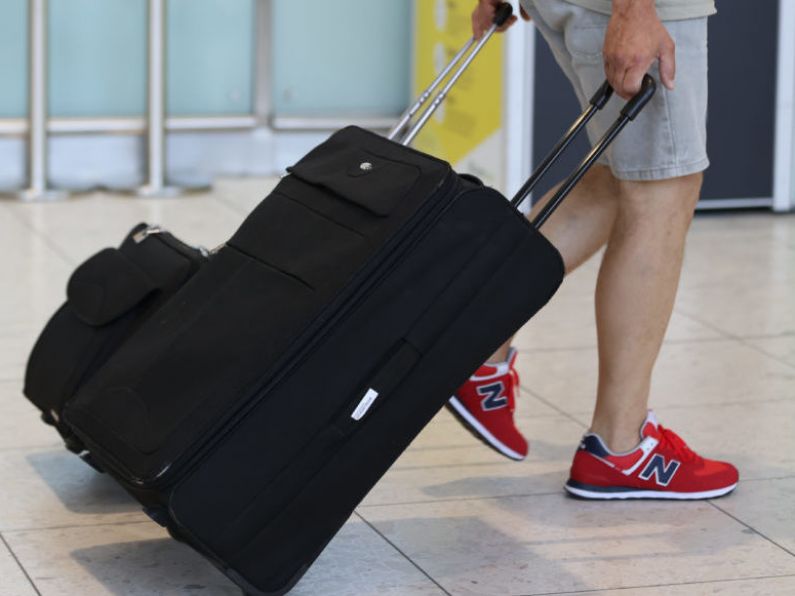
[107,286]
[108,297]
[233,407]
[284,270]
[343,172]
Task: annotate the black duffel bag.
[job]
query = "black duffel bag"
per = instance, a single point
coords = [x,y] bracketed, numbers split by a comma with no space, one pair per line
[108,297]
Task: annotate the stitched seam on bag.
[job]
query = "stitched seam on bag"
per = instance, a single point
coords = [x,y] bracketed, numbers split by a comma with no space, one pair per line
[320,213]
[372,210]
[265,263]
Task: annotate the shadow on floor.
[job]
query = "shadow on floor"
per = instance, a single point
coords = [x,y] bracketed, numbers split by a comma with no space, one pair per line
[79,487]
[468,555]
[147,567]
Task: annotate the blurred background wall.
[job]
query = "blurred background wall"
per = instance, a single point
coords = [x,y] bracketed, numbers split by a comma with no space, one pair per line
[250,85]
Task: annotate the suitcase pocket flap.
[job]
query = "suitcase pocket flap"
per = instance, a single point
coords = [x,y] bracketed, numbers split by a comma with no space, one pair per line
[106,286]
[371,181]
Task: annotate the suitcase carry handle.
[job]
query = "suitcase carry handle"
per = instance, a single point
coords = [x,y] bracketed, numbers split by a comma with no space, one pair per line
[628,113]
[503,13]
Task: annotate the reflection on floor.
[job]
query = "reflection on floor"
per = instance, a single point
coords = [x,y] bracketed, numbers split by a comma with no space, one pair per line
[451,517]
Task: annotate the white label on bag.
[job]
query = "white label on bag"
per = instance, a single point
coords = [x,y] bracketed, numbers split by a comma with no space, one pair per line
[365,404]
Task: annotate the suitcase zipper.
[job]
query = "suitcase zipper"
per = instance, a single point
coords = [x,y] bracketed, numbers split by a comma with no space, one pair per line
[368,277]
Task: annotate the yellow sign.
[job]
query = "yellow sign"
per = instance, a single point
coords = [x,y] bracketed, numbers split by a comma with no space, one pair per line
[472,114]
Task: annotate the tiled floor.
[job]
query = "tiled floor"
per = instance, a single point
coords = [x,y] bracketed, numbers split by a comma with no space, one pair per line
[451,517]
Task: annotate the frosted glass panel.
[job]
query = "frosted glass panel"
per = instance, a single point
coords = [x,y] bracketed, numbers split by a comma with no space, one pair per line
[345,57]
[97,57]
[210,56]
[13,58]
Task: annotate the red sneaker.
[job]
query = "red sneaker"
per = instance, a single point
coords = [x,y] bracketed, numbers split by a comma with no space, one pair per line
[662,466]
[485,405]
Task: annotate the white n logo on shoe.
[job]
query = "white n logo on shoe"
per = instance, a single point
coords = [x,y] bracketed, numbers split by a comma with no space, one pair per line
[663,473]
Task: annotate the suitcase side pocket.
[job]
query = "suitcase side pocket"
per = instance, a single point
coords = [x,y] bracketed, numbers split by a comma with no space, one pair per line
[368,180]
[382,383]
[276,494]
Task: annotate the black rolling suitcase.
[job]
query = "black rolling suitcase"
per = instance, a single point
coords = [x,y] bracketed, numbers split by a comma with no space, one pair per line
[252,412]
[107,297]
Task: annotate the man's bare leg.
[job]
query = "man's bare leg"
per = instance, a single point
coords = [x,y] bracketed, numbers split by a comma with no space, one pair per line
[580,226]
[644,225]
[635,295]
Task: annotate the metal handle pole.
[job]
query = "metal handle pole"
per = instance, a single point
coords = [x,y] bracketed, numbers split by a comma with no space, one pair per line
[412,111]
[156,111]
[552,156]
[576,175]
[37,116]
[596,103]
[628,113]
[426,115]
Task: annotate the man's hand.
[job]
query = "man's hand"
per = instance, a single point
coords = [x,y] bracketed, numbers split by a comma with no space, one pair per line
[483,17]
[635,38]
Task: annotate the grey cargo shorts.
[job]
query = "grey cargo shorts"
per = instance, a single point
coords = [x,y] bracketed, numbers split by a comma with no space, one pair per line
[669,138]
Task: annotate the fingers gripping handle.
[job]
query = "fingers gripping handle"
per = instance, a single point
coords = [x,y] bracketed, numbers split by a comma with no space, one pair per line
[602,96]
[640,99]
[628,113]
[412,110]
[634,105]
[504,12]
[501,16]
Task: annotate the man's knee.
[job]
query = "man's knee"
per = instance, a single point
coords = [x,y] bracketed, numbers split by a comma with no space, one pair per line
[670,199]
[600,182]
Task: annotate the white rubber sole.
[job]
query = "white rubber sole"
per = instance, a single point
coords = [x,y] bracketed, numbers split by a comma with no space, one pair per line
[482,431]
[648,494]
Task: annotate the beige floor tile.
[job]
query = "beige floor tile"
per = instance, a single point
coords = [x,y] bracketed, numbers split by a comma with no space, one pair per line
[126,560]
[742,225]
[736,253]
[84,225]
[767,506]
[547,544]
[14,352]
[768,586]
[25,311]
[699,373]
[453,465]
[358,561]
[743,309]
[50,487]
[33,282]
[243,194]
[141,560]
[20,424]
[782,347]
[568,321]
[12,579]
[529,406]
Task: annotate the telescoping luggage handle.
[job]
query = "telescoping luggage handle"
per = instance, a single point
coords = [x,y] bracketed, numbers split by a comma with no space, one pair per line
[628,113]
[596,103]
[502,15]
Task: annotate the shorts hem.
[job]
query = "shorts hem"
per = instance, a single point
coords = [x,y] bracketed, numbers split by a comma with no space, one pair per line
[664,173]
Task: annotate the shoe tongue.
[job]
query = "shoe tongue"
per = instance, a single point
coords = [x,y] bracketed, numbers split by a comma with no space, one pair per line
[487,370]
[649,428]
[497,368]
[512,354]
